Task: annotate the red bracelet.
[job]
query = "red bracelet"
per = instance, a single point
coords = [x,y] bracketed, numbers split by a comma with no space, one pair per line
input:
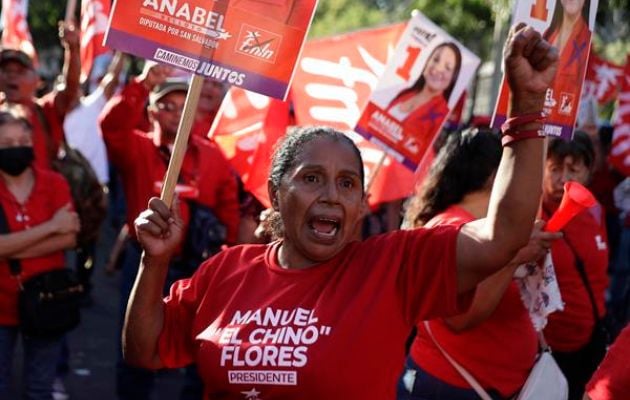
[513,123]
[522,135]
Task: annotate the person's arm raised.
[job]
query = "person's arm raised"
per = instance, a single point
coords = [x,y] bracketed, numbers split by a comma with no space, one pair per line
[486,245]
[111,79]
[71,41]
[159,231]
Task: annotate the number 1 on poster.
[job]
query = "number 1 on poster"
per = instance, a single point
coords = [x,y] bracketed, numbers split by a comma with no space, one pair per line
[405,70]
[539,10]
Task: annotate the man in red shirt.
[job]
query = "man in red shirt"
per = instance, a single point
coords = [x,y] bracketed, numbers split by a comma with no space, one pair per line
[141,158]
[18,84]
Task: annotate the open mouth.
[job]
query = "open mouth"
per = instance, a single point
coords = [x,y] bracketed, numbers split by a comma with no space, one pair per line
[325,228]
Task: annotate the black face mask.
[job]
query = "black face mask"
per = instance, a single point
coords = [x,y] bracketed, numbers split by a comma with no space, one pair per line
[15,160]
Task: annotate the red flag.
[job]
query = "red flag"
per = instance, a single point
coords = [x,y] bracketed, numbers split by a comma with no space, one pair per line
[94,16]
[333,81]
[603,79]
[246,129]
[620,150]
[15,33]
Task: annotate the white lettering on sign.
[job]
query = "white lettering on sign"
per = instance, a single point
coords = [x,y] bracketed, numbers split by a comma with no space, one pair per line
[199,16]
[386,126]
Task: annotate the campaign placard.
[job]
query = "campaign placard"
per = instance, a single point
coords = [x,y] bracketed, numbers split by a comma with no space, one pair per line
[420,86]
[568,25]
[251,44]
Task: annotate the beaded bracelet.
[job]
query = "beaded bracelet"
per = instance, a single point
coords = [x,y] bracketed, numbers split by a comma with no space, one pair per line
[512,124]
[511,132]
[522,135]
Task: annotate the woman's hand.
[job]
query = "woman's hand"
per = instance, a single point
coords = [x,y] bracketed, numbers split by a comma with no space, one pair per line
[160,230]
[65,220]
[154,74]
[530,67]
[539,244]
[69,35]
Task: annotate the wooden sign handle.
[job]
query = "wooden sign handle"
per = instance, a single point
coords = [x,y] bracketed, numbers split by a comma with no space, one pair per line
[71,7]
[375,173]
[181,141]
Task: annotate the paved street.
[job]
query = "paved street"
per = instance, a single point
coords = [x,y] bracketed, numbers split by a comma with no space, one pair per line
[93,345]
[93,349]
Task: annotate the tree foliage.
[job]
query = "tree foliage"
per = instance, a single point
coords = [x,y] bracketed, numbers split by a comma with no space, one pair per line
[43,16]
[469,21]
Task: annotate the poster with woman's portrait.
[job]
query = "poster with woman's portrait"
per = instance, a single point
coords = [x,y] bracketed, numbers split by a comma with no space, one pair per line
[568,25]
[420,86]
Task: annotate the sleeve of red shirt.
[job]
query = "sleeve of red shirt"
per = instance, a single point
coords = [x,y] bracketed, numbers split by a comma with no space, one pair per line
[122,114]
[611,381]
[175,344]
[427,280]
[54,119]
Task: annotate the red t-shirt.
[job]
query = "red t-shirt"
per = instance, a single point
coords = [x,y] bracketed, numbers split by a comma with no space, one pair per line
[499,352]
[141,164]
[612,380]
[332,331]
[50,192]
[571,329]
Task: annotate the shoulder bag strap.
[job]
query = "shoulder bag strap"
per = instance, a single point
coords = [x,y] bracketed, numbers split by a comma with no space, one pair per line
[579,265]
[462,371]
[14,265]
[52,152]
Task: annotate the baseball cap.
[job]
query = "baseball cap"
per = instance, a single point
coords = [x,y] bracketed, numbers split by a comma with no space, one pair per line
[168,86]
[16,55]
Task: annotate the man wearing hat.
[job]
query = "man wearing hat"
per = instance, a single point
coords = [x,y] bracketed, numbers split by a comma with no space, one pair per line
[141,156]
[18,84]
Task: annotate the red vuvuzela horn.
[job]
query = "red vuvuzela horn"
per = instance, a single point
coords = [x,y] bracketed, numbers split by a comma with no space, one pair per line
[575,199]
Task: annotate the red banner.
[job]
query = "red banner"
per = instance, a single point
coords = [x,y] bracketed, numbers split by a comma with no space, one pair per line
[94,16]
[603,79]
[246,128]
[333,81]
[620,151]
[332,84]
[15,34]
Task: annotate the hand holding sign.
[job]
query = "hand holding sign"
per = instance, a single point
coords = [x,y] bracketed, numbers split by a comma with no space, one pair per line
[530,66]
[154,74]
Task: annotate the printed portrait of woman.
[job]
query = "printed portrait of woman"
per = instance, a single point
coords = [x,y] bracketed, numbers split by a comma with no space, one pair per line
[422,107]
[289,12]
[569,32]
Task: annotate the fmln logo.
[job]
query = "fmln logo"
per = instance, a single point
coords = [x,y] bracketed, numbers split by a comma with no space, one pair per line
[258,43]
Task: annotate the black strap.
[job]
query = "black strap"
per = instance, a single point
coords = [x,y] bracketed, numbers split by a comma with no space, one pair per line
[14,265]
[579,265]
[41,117]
